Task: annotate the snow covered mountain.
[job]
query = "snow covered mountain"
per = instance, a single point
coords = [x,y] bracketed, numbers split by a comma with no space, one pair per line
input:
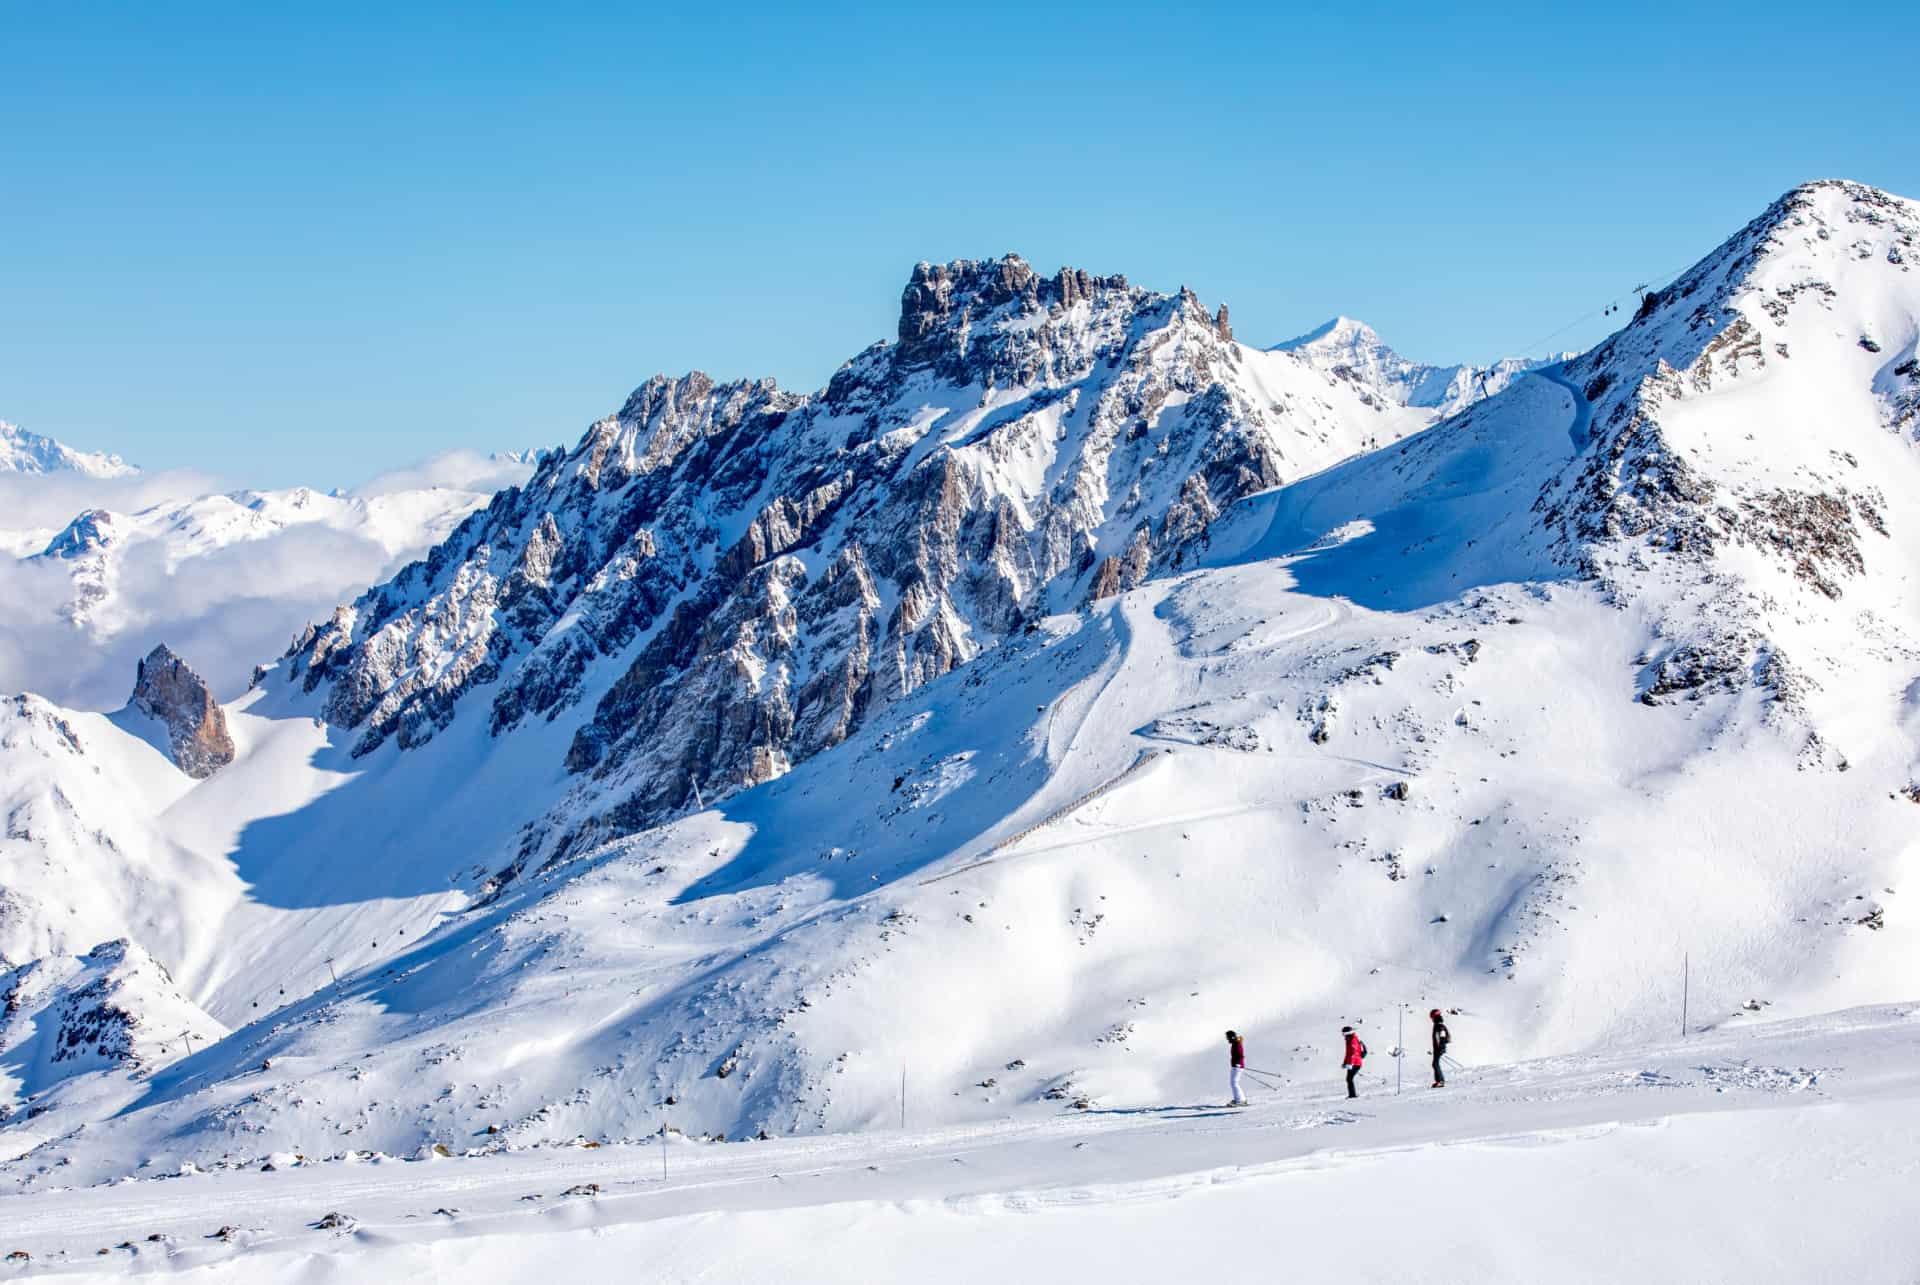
[223,577]
[732,578]
[1352,350]
[1063,684]
[24,452]
[102,548]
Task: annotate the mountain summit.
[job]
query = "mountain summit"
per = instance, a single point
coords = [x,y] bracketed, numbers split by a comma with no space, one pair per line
[1352,350]
[731,577]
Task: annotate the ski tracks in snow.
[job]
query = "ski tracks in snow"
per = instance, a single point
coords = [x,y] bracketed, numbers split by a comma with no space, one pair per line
[1150,675]
[1854,1127]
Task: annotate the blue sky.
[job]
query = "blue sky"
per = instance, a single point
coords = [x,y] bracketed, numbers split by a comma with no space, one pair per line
[306,246]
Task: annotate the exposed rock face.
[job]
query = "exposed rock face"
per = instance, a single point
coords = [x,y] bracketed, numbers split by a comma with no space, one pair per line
[723,579]
[1644,488]
[1725,319]
[171,693]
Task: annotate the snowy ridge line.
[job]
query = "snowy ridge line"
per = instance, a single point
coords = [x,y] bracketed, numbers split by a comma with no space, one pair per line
[1074,805]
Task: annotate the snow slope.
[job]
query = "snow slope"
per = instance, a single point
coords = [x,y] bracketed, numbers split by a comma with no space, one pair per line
[1782,1151]
[1613,670]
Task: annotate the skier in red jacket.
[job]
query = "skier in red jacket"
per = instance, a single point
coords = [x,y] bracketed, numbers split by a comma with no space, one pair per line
[1356,1054]
[1236,1063]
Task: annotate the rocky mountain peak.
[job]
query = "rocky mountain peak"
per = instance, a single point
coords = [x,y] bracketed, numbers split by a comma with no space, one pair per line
[87,533]
[169,692]
[664,418]
[937,290]
[722,579]
[1341,332]
[1844,199]
[945,304]
[1815,284]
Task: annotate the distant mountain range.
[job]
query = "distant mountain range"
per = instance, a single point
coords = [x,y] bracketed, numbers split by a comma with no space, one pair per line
[24,452]
[1351,350]
[227,575]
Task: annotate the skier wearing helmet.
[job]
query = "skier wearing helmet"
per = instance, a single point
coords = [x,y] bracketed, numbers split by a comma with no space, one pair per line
[1441,1038]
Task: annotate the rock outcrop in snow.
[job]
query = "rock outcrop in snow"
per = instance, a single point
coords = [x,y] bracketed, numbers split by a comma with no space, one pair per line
[169,692]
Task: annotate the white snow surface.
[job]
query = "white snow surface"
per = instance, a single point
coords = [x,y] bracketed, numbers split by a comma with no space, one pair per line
[1612,675]
[1770,1152]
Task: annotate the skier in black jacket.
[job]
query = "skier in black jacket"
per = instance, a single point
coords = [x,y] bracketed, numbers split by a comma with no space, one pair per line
[1441,1038]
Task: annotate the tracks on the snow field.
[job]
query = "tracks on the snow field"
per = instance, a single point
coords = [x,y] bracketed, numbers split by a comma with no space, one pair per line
[998,851]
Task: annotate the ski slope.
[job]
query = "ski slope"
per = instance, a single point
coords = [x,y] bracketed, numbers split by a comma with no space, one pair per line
[1780,1151]
[1547,865]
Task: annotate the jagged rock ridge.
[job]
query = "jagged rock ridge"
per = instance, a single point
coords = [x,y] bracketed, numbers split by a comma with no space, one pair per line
[761,569]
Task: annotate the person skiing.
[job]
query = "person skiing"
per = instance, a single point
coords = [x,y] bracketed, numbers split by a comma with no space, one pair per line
[1236,1063]
[1441,1038]
[1356,1054]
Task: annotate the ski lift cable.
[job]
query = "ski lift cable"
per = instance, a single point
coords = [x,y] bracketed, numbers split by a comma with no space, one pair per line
[1528,349]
